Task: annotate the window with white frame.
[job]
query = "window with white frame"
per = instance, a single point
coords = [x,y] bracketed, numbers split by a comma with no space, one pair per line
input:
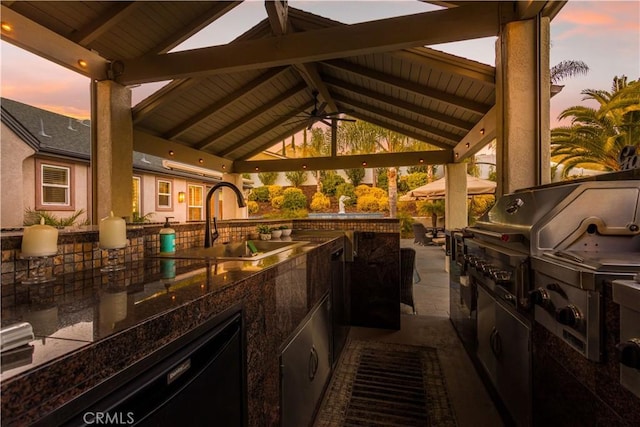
[135,196]
[196,202]
[55,185]
[164,194]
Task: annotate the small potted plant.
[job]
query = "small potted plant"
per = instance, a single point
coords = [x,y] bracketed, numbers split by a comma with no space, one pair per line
[286,230]
[264,231]
[276,233]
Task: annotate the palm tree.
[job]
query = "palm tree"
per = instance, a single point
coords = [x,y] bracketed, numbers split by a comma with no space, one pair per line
[564,69]
[596,136]
[569,68]
[319,146]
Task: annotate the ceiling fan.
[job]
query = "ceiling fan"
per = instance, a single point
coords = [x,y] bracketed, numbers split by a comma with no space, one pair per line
[317,114]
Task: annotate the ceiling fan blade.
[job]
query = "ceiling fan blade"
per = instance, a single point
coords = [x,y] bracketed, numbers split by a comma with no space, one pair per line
[336,113]
[343,120]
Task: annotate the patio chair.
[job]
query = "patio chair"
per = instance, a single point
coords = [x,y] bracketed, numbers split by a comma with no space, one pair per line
[407,267]
[420,234]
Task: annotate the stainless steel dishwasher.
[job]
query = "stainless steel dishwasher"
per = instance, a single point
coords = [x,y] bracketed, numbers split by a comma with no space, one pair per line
[198,379]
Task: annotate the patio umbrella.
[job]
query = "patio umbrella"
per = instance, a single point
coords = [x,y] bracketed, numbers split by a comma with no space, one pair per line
[436,189]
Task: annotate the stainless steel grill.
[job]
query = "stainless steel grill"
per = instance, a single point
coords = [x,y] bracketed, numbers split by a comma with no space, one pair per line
[578,236]
[546,254]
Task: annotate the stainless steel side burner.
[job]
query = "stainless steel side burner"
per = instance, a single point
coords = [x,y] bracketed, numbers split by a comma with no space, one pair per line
[626,293]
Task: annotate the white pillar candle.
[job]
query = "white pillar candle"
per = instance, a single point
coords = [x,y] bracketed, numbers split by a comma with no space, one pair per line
[113,232]
[39,240]
[112,309]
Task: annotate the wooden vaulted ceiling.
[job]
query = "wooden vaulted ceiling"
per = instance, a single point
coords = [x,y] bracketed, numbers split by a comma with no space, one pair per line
[231,102]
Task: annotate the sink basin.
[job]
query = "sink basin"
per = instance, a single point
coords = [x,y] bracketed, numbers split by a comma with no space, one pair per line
[237,250]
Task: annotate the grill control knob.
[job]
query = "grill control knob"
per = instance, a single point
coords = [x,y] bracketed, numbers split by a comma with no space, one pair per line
[569,316]
[629,353]
[540,297]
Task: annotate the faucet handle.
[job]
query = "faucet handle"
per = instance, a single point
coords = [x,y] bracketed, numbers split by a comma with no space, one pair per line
[214,233]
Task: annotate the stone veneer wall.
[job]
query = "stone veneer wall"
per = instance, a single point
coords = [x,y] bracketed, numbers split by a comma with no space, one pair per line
[78,247]
[381,225]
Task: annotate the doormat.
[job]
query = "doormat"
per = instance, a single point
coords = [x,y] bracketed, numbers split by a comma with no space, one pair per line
[386,384]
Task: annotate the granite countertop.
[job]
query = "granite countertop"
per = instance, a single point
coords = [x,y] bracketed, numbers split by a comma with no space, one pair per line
[82,308]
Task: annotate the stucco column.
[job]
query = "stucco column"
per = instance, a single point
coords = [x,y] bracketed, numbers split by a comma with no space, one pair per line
[522,100]
[455,199]
[112,150]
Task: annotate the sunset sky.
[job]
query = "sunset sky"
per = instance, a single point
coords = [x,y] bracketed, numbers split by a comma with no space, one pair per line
[603,34]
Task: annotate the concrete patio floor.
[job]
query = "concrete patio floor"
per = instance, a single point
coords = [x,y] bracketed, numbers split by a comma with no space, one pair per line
[431,327]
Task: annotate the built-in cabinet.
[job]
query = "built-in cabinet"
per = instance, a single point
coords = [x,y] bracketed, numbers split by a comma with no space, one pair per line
[504,351]
[305,367]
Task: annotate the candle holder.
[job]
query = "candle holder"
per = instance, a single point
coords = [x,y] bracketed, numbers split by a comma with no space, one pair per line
[112,261]
[38,272]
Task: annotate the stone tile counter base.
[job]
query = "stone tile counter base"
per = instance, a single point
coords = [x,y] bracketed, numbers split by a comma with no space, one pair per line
[78,248]
[275,298]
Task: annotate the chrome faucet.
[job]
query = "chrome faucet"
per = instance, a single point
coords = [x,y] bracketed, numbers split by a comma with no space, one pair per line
[210,237]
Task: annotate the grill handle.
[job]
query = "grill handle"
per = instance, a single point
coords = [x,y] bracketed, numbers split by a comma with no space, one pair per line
[505,237]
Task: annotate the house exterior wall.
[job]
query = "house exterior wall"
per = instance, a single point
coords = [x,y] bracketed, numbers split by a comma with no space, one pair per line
[16,178]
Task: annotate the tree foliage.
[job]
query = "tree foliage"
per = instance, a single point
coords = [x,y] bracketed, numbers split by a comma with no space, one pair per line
[355,175]
[296,178]
[568,68]
[268,178]
[596,136]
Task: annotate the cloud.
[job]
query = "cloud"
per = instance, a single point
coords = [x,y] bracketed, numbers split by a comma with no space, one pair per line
[600,16]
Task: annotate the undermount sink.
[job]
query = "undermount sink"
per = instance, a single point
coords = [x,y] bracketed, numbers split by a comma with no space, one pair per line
[238,251]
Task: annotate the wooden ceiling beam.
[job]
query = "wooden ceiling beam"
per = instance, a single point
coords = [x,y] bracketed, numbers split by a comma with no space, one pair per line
[107,20]
[448,63]
[309,73]
[252,115]
[398,103]
[277,13]
[281,136]
[218,9]
[157,146]
[417,89]
[224,102]
[41,41]
[482,133]
[474,20]
[263,130]
[410,158]
[394,128]
[452,137]
[163,96]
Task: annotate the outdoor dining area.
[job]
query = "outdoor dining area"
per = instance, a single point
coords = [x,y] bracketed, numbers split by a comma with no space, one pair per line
[434,234]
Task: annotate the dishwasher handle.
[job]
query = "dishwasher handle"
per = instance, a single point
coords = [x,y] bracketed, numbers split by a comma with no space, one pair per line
[313,363]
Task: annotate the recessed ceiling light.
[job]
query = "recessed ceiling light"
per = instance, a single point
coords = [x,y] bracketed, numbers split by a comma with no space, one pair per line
[171,153]
[466,145]
[201,161]
[82,63]
[6,27]
[364,163]
[482,131]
